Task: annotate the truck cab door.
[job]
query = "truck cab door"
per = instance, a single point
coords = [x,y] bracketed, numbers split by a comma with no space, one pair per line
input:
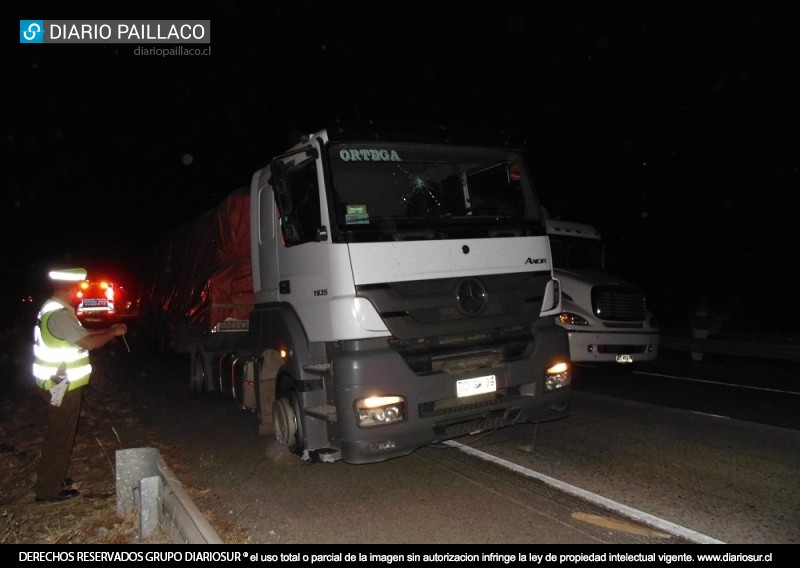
[288,215]
[264,237]
[297,194]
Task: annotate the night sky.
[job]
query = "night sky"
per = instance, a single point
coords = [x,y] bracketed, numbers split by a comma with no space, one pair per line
[672,126]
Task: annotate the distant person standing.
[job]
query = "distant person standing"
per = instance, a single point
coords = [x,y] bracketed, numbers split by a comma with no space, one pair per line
[61,368]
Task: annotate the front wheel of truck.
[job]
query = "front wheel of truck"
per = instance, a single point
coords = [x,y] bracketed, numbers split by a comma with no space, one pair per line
[286,422]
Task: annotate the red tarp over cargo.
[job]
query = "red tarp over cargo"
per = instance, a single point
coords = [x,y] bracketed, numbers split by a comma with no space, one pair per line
[201,272]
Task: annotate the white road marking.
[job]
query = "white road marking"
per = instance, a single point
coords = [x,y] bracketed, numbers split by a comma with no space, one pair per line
[630,512]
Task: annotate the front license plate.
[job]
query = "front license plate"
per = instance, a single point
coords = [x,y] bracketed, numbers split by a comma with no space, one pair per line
[624,358]
[477,385]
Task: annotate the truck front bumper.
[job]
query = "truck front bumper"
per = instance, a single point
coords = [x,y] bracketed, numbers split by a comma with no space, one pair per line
[594,347]
[433,409]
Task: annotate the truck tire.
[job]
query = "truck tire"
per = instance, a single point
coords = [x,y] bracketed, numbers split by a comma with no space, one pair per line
[201,374]
[287,424]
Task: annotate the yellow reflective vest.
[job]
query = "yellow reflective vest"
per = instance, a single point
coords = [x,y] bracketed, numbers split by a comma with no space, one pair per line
[50,353]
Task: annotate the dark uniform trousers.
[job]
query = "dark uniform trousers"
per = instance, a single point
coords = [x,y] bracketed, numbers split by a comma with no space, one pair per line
[62,426]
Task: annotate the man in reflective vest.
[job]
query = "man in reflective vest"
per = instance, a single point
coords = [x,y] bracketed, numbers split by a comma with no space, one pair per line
[61,368]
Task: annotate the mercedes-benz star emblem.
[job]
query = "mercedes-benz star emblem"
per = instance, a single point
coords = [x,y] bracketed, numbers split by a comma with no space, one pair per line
[471,296]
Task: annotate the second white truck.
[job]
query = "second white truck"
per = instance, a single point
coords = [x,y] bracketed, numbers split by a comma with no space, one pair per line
[606,317]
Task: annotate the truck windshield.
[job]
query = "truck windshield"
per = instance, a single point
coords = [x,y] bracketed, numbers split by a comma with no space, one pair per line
[571,253]
[383,191]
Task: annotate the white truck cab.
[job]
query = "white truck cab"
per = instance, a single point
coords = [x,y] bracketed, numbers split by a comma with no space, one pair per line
[605,316]
[409,287]
[398,292]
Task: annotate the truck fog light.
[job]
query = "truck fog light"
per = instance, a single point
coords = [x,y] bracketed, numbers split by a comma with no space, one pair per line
[379,410]
[557,377]
[590,348]
[382,446]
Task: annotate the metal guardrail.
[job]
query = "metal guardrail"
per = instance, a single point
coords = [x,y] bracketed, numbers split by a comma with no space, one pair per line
[777,347]
[146,486]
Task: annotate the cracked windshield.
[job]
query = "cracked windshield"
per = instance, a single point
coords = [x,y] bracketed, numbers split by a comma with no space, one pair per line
[393,191]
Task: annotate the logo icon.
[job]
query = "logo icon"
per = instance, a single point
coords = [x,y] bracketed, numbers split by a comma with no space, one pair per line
[31,31]
[471,296]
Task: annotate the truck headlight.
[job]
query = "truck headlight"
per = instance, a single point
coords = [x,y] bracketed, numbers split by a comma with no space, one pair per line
[557,377]
[568,318]
[380,410]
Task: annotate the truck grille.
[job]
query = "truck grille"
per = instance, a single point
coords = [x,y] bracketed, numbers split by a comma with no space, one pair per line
[618,303]
[426,308]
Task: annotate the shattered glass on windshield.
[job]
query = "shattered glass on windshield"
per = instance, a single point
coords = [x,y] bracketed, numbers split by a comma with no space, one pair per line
[383,191]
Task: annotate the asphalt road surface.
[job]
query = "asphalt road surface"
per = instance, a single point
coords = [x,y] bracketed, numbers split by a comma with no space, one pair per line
[618,470]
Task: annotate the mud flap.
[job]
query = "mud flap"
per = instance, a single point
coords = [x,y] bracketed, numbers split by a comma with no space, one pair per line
[267,375]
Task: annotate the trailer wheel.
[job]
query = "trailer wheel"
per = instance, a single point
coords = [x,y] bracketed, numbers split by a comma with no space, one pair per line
[201,373]
[286,422]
